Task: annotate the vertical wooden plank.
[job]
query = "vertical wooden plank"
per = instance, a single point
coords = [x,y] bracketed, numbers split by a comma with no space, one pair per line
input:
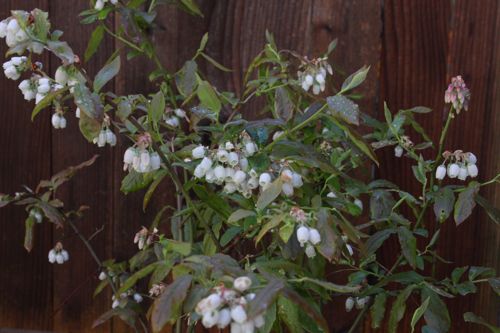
[74,282]
[425,44]
[26,278]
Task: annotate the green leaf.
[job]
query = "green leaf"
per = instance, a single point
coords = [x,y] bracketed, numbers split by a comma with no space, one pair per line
[214,201]
[269,194]
[89,127]
[95,41]
[208,96]
[327,247]
[46,101]
[107,73]
[191,7]
[355,79]
[289,313]
[306,307]
[381,203]
[332,46]
[472,318]
[87,102]
[419,312]
[132,280]
[135,181]
[443,203]
[286,231]
[265,297]
[167,308]
[495,285]
[408,244]
[493,212]
[157,107]
[273,223]
[376,240]
[344,108]
[160,175]
[61,50]
[186,79]
[183,248]
[399,308]
[465,202]
[378,309]
[480,272]
[28,234]
[240,214]
[215,63]
[229,235]
[332,286]
[283,105]
[436,316]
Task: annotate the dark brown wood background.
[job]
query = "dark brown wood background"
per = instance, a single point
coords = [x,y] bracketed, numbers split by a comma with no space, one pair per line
[414,47]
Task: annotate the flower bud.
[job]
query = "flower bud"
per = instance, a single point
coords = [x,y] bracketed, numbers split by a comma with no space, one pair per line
[219,172]
[199,172]
[259,321]
[309,79]
[138,298]
[110,137]
[358,203]
[297,180]
[398,151]
[238,314]
[361,302]
[286,175]
[244,164]
[222,155]
[155,161]
[55,120]
[242,283]
[250,148]
[453,170]
[310,251]
[233,159]
[471,158]
[314,236]
[180,113]
[128,157]
[52,256]
[239,177]
[229,145]
[316,89]
[440,172]
[101,139]
[198,152]
[472,170]
[320,78]
[264,179]
[230,188]
[61,76]
[224,318]
[303,235]
[102,276]
[463,173]
[77,113]
[349,304]
[173,121]
[331,195]
[253,183]
[287,189]
[115,304]
[206,164]
[99,5]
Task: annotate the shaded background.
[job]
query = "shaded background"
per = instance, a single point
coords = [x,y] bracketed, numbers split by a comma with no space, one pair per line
[414,48]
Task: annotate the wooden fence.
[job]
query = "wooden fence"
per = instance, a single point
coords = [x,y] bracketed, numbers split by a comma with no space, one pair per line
[413,48]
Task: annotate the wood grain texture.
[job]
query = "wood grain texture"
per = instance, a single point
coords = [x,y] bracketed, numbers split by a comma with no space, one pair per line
[413,48]
[25,278]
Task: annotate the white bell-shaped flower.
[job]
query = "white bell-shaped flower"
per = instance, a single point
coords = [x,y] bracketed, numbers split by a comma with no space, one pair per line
[349,304]
[314,236]
[198,152]
[310,251]
[242,283]
[224,318]
[238,314]
[463,173]
[472,170]
[287,189]
[440,172]
[264,179]
[453,170]
[303,235]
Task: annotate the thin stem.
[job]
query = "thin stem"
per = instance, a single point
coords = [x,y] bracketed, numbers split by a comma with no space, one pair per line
[359,318]
[178,185]
[123,40]
[92,252]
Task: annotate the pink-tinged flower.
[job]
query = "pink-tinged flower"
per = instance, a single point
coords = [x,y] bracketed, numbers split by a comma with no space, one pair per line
[457,94]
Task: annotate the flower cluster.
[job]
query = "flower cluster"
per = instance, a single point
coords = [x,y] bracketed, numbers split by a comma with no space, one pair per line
[106,136]
[16,36]
[307,236]
[124,297]
[359,302]
[58,120]
[99,4]
[457,94]
[313,74]
[461,165]
[143,237]
[174,120]
[58,254]
[140,158]
[226,306]
[228,166]
[15,67]
[157,289]
[406,143]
